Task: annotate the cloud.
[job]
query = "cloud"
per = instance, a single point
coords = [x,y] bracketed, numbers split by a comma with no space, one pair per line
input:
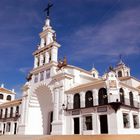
[25,70]
[118,35]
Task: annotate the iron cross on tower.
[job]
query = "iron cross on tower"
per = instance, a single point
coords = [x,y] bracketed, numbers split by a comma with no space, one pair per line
[47,9]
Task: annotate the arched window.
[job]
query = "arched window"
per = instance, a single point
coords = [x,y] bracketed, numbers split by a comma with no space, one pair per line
[1,96]
[50,57]
[102,97]
[88,99]
[119,73]
[1,113]
[9,97]
[38,61]
[131,99]
[122,100]
[76,101]
[127,73]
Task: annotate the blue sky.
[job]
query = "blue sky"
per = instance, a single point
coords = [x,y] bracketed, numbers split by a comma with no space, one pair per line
[90,32]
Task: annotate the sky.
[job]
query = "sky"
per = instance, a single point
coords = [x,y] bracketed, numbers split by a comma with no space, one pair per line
[91,32]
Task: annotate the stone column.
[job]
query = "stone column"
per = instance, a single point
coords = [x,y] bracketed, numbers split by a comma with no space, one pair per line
[24,112]
[42,42]
[56,105]
[61,101]
[46,57]
[49,38]
[81,124]
[82,99]
[35,61]
[131,120]
[54,54]
[41,60]
[95,96]
[71,101]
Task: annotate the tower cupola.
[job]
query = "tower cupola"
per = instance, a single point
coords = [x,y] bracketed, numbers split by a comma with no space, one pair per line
[94,72]
[121,69]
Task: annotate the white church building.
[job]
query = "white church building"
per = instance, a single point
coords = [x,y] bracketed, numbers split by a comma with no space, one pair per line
[61,99]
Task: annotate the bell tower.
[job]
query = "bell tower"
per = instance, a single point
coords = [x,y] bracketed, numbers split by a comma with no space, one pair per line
[47,51]
[122,70]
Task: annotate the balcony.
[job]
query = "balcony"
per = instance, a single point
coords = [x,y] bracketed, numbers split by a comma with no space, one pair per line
[10,117]
[116,104]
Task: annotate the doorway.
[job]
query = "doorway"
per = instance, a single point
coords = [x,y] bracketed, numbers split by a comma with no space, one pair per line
[103,124]
[4,128]
[50,121]
[15,128]
[76,126]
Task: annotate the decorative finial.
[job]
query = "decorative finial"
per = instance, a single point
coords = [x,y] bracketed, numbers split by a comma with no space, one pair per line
[120,60]
[62,63]
[93,66]
[47,9]
[111,68]
[2,85]
[13,90]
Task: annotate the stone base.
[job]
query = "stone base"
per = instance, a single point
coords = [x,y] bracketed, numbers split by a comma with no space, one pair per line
[57,128]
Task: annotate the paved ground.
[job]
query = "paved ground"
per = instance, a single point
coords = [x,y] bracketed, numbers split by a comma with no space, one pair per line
[75,137]
[22,137]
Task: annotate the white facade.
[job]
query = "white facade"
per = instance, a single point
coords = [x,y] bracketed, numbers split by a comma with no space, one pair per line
[49,104]
[61,99]
[9,111]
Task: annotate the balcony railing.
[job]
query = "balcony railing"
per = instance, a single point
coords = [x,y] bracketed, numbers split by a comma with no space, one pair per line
[136,104]
[9,117]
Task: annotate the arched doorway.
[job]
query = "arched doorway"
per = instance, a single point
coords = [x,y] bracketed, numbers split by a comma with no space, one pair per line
[88,99]
[122,99]
[131,99]
[102,96]
[76,101]
[44,110]
[119,73]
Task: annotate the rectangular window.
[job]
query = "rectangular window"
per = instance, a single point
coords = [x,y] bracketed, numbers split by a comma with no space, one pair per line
[126,121]
[17,110]
[136,121]
[6,112]
[44,59]
[88,122]
[38,61]
[36,78]
[8,127]
[41,76]
[1,113]
[11,112]
[47,74]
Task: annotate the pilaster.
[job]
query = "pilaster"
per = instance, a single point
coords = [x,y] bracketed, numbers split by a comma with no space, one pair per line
[95,97]
[47,57]
[82,99]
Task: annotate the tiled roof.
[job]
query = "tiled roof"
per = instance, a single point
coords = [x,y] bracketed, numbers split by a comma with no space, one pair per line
[11,103]
[124,78]
[4,90]
[86,86]
[127,78]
